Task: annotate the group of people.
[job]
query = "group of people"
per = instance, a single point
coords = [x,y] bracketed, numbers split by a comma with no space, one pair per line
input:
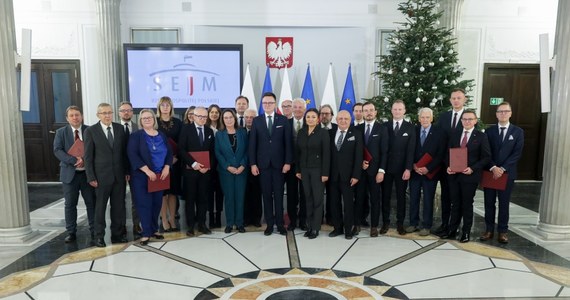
[233,161]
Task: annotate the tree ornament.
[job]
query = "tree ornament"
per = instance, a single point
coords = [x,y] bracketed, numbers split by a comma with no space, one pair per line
[405,70]
[418,100]
[422,69]
[434,100]
[453,81]
[450,51]
[437,22]
[396,41]
[441,58]
[445,81]
[431,63]
[390,72]
[408,59]
[424,39]
[417,48]
[386,99]
[432,104]
[406,84]
[420,90]
[433,87]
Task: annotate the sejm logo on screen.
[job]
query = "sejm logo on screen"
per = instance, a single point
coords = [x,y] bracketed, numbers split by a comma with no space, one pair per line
[184,78]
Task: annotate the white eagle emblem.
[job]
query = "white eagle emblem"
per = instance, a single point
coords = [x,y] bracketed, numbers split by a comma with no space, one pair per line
[279,53]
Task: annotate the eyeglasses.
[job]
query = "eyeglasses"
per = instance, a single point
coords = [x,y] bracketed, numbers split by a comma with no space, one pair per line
[147,118]
[286,106]
[200,117]
[503,111]
[468,119]
[106,113]
[325,113]
[125,110]
[267,103]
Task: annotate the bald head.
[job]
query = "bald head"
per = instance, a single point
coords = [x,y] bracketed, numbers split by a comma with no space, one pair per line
[343,120]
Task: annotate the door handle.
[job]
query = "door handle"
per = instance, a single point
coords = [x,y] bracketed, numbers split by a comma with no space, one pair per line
[52,132]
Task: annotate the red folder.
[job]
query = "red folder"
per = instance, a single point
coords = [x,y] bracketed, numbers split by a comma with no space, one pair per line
[77,149]
[458,159]
[487,181]
[424,161]
[367,155]
[158,184]
[202,157]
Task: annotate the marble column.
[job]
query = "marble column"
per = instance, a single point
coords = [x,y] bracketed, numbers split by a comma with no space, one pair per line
[554,209]
[15,212]
[109,26]
[452,11]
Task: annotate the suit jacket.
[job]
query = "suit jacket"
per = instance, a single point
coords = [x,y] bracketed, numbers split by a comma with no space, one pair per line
[401,148]
[104,163]
[377,146]
[478,154]
[273,150]
[189,142]
[444,122]
[64,139]
[346,163]
[506,153]
[434,145]
[139,154]
[313,150]
[225,155]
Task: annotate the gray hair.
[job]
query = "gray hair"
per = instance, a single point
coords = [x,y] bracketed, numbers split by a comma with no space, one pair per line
[300,100]
[425,109]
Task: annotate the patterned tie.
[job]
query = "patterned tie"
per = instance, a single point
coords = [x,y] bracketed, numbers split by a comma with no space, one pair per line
[269,124]
[464,140]
[454,121]
[298,126]
[110,136]
[367,133]
[201,136]
[76,134]
[339,141]
[423,137]
[127,131]
[502,134]
[241,121]
[397,128]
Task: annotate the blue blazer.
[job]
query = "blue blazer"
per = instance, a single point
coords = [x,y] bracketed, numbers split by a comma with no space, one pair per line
[507,153]
[273,150]
[139,154]
[64,139]
[224,153]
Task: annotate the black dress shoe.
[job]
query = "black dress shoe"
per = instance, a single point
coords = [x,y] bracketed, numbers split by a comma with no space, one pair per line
[205,230]
[401,230]
[268,231]
[100,243]
[355,230]
[257,224]
[449,235]
[348,236]
[313,235]
[158,236]
[241,229]
[307,233]
[70,238]
[121,240]
[136,235]
[282,230]
[291,227]
[465,237]
[228,229]
[335,233]
[303,227]
[441,230]
[144,242]
[190,232]
[384,228]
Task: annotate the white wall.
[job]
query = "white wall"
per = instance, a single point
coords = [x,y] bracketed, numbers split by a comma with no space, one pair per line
[324,31]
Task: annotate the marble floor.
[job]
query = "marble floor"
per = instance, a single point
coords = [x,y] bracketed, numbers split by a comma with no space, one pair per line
[252,266]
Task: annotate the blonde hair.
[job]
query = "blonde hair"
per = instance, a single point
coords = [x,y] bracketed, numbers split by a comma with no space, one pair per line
[147,110]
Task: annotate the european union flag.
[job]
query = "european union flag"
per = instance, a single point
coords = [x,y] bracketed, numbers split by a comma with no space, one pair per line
[266,88]
[348,98]
[308,94]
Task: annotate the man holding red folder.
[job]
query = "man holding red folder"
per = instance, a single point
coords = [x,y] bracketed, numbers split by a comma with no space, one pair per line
[506,141]
[463,182]
[427,164]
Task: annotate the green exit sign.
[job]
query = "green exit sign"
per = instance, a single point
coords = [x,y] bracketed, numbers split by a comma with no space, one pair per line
[496,101]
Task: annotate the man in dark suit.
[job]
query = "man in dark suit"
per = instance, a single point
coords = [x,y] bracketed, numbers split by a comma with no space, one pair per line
[346,161]
[326,115]
[375,139]
[449,121]
[429,143]
[296,207]
[402,144]
[506,141]
[72,173]
[270,156]
[463,185]
[126,116]
[252,207]
[106,165]
[196,137]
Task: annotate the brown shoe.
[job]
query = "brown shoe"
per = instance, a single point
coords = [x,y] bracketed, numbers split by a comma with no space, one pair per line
[486,236]
[503,239]
[401,230]
[374,231]
[384,228]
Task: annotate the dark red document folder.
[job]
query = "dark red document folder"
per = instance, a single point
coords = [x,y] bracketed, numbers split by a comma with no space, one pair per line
[202,157]
[458,159]
[367,155]
[487,181]
[158,184]
[424,161]
[77,149]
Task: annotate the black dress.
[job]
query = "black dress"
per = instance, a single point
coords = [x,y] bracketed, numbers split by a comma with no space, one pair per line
[172,130]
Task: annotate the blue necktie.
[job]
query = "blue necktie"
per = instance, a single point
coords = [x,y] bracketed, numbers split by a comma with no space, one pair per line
[201,136]
[367,134]
[423,137]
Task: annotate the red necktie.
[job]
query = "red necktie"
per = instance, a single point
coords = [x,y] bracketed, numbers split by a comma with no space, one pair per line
[76,134]
[464,140]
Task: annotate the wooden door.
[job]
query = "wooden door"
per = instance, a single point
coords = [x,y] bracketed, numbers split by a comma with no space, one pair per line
[55,85]
[519,84]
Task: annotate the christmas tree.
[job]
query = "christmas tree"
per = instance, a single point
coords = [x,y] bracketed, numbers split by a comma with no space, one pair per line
[422,67]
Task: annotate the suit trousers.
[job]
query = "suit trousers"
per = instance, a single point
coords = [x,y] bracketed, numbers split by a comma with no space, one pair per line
[216,195]
[115,195]
[196,190]
[272,181]
[367,188]
[401,185]
[490,209]
[71,195]
[134,213]
[296,207]
[233,187]
[148,204]
[445,199]
[419,185]
[462,194]
[252,206]
[342,217]
[314,188]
